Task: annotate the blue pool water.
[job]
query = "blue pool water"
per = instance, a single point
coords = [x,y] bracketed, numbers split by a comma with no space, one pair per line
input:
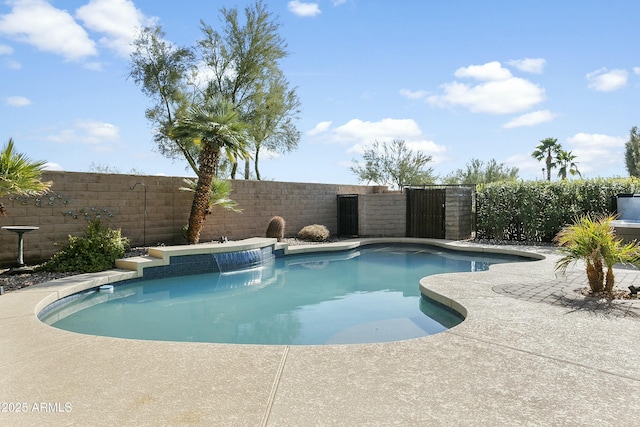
[365,295]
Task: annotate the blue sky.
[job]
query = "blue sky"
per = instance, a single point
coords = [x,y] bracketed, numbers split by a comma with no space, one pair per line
[455,79]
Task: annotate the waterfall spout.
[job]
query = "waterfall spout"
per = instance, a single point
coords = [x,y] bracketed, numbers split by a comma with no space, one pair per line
[243,260]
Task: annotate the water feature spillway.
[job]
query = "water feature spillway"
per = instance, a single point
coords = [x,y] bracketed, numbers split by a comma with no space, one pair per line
[243,260]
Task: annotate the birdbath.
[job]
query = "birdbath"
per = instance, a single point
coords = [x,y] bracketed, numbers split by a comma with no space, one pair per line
[20,230]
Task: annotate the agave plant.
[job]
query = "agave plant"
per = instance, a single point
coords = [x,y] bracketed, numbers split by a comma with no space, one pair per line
[593,240]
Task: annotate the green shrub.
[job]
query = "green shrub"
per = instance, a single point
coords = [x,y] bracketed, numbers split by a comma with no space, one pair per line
[96,250]
[537,210]
[314,233]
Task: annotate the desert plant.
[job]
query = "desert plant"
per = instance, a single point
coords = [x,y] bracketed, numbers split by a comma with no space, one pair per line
[214,126]
[593,240]
[218,195]
[96,250]
[19,174]
[314,233]
[276,228]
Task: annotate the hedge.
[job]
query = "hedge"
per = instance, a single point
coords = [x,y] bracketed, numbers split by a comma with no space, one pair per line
[537,210]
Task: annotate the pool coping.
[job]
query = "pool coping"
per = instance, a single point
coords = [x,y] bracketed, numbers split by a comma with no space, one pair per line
[510,361]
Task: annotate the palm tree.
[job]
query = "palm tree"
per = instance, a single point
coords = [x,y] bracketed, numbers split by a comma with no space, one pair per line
[593,240]
[565,161]
[547,150]
[219,195]
[213,126]
[19,174]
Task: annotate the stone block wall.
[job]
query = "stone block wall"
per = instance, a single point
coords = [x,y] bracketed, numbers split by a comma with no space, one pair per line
[167,210]
[120,200]
[382,215]
[300,204]
[458,213]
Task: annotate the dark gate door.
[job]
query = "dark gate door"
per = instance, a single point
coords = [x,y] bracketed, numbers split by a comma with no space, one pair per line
[347,215]
[425,212]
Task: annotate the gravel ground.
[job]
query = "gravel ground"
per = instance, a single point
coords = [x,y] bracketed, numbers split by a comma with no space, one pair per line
[11,281]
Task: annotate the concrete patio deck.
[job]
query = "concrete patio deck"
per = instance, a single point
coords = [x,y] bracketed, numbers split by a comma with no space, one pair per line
[530,352]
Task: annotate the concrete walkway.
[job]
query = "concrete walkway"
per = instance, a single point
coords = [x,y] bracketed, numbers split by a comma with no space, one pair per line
[521,357]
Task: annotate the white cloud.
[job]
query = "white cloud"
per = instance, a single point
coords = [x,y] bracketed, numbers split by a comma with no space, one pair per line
[636,70]
[361,134]
[491,71]
[596,155]
[498,92]
[595,152]
[530,119]
[604,80]
[5,50]
[339,2]
[92,132]
[203,74]
[498,97]
[529,65]
[385,129]
[320,128]
[50,166]
[428,147]
[18,101]
[39,24]
[414,94]
[303,9]
[13,64]
[527,166]
[95,132]
[93,66]
[117,19]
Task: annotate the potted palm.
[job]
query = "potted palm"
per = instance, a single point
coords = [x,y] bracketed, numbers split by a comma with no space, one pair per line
[593,240]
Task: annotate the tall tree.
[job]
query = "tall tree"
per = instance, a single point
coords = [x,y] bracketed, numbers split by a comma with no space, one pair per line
[477,172]
[162,71]
[19,174]
[547,150]
[243,62]
[272,111]
[393,164]
[213,127]
[565,161]
[632,153]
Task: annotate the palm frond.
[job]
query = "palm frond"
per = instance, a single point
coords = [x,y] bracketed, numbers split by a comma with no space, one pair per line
[218,195]
[593,240]
[19,174]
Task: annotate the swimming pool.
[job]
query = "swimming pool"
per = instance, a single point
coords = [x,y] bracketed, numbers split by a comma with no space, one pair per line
[370,294]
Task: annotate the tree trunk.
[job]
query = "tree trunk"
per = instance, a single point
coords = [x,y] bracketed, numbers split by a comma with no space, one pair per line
[234,169]
[209,158]
[595,276]
[610,279]
[247,169]
[255,164]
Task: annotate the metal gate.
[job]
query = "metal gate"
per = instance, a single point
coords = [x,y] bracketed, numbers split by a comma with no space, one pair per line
[425,212]
[347,215]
